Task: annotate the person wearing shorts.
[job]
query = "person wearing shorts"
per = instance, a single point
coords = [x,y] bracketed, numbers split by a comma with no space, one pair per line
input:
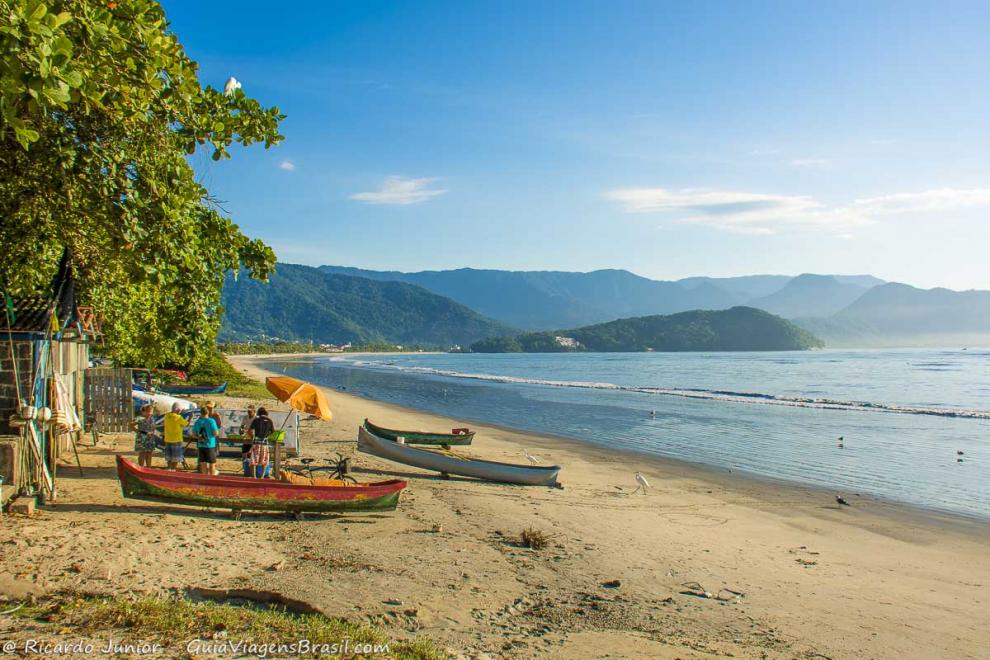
[145,434]
[174,423]
[205,429]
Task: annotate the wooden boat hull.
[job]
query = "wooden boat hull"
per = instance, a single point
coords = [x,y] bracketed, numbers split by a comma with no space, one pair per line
[419,438]
[244,493]
[185,389]
[527,475]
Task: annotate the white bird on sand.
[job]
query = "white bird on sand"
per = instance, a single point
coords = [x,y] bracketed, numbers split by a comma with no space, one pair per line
[532,459]
[643,483]
[232,84]
[841,500]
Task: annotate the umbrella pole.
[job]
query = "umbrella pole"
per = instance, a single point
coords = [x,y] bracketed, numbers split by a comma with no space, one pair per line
[277,449]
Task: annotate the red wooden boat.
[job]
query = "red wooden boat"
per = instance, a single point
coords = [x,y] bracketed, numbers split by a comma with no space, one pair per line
[244,493]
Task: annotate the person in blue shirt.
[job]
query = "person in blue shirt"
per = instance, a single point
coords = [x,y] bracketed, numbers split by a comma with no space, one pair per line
[206,431]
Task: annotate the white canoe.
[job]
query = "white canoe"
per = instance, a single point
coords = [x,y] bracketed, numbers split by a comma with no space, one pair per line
[162,402]
[508,473]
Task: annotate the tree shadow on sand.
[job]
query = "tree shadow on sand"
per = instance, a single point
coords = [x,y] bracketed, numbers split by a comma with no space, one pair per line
[214,513]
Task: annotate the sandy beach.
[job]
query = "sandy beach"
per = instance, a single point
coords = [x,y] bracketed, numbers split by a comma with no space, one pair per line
[787,572]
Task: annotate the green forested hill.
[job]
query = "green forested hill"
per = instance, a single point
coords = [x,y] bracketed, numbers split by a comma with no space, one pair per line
[303,303]
[735,329]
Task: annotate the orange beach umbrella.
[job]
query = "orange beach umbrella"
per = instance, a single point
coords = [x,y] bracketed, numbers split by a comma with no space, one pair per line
[300,395]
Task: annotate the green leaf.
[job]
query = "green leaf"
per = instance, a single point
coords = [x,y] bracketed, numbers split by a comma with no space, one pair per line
[62,46]
[36,10]
[26,136]
[73,78]
[60,19]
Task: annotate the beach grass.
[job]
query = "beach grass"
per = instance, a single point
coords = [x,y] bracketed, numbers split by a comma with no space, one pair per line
[217,369]
[173,622]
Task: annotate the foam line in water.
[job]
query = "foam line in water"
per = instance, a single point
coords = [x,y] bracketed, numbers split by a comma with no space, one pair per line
[692,393]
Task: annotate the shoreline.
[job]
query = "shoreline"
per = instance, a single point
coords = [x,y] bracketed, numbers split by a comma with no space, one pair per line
[738,478]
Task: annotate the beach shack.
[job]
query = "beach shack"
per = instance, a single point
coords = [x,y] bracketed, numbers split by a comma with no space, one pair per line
[46,342]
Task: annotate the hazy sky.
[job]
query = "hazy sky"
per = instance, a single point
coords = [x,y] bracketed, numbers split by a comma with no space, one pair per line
[669,139]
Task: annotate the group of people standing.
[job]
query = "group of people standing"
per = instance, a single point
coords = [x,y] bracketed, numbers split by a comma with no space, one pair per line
[257,428]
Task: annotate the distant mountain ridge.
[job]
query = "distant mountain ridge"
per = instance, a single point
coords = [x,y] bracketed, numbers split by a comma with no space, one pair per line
[901,315]
[539,300]
[810,295]
[735,329]
[303,303]
[549,299]
[336,304]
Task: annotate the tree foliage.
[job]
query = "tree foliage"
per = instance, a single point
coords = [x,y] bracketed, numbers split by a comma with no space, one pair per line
[99,109]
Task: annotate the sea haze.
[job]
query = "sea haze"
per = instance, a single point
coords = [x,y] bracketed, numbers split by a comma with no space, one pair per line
[903,414]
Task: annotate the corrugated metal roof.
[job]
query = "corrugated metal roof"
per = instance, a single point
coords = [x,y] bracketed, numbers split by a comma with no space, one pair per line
[30,315]
[35,314]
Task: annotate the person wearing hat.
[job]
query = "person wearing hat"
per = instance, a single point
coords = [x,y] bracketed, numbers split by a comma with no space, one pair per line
[246,433]
[214,412]
[246,422]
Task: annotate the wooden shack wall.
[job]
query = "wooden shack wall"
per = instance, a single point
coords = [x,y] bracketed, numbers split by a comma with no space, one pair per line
[24,361]
[70,360]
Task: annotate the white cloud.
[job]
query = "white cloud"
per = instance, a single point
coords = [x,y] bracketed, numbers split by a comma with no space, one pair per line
[939,199]
[398,190]
[759,213]
[287,165]
[809,162]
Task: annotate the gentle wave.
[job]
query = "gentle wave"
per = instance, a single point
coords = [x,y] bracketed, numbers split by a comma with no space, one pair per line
[717,395]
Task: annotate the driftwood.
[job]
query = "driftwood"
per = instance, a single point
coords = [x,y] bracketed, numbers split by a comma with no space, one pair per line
[724,594]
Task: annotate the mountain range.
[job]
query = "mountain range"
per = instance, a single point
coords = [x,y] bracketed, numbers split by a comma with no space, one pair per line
[460,306]
[541,300]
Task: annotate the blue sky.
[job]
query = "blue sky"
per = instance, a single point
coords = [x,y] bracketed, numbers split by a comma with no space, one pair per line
[669,139]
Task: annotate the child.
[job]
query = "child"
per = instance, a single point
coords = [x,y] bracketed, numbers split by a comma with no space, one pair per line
[145,434]
[174,423]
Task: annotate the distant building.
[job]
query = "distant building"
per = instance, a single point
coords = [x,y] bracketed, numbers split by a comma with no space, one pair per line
[567,342]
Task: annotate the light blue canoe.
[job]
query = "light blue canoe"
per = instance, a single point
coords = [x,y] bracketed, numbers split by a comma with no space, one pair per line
[444,463]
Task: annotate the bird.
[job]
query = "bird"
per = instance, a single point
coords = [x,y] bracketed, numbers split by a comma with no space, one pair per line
[232,84]
[841,445]
[532,459]
[841,500]
[643,483]
[653,413]
[959,452]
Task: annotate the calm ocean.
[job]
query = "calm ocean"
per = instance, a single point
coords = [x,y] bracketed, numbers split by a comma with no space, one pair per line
[903,413]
